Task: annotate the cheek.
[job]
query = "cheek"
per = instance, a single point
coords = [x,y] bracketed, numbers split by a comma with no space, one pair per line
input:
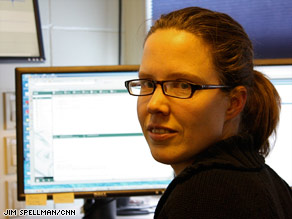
[207,116]
[141,110]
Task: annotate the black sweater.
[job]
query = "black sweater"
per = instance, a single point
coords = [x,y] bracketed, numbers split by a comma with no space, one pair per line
[228,180]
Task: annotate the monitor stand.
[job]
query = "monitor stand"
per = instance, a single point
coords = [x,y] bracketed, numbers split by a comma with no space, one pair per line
[100,208]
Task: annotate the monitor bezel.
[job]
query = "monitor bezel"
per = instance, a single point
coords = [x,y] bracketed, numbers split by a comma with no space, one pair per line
[19,130]
[261,62]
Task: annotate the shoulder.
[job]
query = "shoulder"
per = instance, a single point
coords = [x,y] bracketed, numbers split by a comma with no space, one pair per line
[225,184]
[219,193]
[229,180]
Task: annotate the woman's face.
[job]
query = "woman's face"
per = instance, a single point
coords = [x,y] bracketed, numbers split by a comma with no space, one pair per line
[178,129]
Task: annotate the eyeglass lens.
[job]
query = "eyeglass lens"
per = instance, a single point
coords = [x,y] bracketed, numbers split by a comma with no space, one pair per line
[172,88]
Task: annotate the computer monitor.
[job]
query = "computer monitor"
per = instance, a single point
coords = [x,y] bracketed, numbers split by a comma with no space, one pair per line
[20,31]
[78,132]
[280,157]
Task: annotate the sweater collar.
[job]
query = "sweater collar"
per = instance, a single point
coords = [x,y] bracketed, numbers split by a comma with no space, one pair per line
[236,152]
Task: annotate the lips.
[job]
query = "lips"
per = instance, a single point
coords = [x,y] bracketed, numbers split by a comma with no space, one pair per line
[160,133]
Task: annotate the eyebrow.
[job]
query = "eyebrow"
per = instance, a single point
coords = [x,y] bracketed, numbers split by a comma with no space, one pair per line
[178,75]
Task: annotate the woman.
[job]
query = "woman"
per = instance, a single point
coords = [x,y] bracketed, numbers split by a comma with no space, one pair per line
[208,114]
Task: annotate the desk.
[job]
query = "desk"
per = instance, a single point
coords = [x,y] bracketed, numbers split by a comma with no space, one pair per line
[143,200]
[80,216]
[148,216]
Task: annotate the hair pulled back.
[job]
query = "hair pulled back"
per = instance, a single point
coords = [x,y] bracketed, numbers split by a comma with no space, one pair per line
[232,54]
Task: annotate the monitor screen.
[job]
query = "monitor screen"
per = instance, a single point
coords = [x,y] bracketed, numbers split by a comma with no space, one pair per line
[268,23]
[77,131]
[280,157]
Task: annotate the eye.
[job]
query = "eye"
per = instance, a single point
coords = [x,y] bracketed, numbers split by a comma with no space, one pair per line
[135,84]
[150,84]
[184,85]
[147,84]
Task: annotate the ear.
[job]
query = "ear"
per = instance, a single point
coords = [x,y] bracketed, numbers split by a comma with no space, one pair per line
[237,100]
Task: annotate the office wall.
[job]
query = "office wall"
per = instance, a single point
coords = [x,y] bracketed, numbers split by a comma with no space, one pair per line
[82,33]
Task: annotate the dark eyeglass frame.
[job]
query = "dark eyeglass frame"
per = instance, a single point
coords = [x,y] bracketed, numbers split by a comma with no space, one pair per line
[193,86]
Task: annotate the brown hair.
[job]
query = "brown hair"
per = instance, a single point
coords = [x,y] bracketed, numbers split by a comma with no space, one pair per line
[232,54]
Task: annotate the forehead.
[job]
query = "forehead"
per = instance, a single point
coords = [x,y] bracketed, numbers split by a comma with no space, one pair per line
[174,53]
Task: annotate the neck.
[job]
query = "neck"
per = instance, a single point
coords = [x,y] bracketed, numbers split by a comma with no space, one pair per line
[230,128]
[178,168]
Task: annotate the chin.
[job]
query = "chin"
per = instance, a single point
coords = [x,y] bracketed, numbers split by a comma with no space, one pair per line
[164,157]
[163,160]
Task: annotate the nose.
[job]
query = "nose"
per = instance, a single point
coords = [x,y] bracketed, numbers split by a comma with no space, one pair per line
[158,102]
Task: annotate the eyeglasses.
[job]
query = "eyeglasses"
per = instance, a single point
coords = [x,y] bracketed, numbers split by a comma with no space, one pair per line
[177,89]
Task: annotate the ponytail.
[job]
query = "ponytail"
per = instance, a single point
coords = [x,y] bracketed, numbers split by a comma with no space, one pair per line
[261,113]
